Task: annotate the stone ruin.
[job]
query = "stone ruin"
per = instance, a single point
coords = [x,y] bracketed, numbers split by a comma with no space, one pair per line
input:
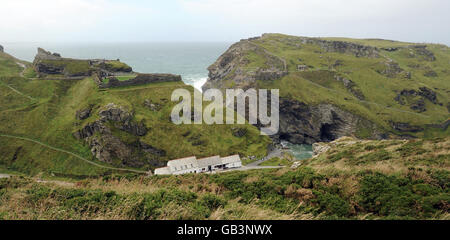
[140,79]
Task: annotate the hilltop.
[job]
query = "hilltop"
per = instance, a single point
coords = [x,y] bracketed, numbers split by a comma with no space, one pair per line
[334,87]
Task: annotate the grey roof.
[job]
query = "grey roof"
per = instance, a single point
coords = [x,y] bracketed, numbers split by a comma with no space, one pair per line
[188,161]
[231,159]
[209,161]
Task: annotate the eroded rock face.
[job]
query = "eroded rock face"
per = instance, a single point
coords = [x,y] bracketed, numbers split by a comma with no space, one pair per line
[417,98]
[301,123]
[231,67]
[422,51]
[84,113]
[351,87]
[108,148]
[1,48]
[357,50]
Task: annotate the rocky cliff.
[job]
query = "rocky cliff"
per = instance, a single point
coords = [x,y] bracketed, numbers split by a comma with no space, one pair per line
[107,147]
[1,48]
[48,63]
[331,88]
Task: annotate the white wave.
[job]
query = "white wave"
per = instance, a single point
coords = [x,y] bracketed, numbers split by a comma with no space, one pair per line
[196,82]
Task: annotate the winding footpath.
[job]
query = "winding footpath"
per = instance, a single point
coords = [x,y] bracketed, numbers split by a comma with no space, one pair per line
[71,153]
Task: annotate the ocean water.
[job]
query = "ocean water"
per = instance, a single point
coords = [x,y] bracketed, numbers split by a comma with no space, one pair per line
[300,151]
[190,60]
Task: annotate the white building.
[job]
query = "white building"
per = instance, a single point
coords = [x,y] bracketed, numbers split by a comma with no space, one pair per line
[209,164]
[232,161]
[194,165]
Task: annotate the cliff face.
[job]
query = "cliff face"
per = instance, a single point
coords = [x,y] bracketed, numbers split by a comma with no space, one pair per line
[301,123]
[331,88]
[1,48]
[235,69]
[47,63]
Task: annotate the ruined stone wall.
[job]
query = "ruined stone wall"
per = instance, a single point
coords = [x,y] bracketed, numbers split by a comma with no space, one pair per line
[141,79]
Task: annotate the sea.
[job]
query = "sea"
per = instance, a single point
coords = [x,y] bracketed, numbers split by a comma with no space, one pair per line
[188,59]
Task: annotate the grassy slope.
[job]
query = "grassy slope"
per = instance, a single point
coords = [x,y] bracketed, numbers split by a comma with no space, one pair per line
[318,86]
[353,180]
[45,111]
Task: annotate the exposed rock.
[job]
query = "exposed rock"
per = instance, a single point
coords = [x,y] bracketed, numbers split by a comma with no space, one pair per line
[430,73]
[106,147]
[46,55]
[405,127]
[391,70]
[393,49]
[416,98]
[1,48]
[428,94]
[419,105]
[351,87]
[442,126]
[152,106]
[296,165]
[301,123]
[141,79]
[230,67]
[84,113]
[422,51]
[357,50]
[123,120]
[319,148]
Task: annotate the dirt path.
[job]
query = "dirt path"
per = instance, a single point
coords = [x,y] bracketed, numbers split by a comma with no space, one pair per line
[18,92]
[70,153]
[22,66]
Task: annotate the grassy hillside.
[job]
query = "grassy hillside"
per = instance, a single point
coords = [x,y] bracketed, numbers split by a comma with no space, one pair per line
[365,77]
[353,180]
[45,111]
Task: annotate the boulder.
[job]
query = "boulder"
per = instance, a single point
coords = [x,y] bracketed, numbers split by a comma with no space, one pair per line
[319,148]
[84,113]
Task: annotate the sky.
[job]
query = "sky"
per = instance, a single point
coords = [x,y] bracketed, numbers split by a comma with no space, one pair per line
[221,20]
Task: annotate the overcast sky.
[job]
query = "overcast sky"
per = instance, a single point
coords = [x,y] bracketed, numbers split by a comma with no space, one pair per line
[221,20]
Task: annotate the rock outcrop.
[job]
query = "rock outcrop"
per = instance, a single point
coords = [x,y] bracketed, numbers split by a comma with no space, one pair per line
[351,87]
[416,98]
[301,123]
[1,49]
[231,67]
[107,147]
[47,63]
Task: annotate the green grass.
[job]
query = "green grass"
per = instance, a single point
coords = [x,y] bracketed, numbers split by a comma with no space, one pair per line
[50,118]
[317,85]
[71,66]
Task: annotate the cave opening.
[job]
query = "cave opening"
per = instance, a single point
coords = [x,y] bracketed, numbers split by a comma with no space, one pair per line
[326,132]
